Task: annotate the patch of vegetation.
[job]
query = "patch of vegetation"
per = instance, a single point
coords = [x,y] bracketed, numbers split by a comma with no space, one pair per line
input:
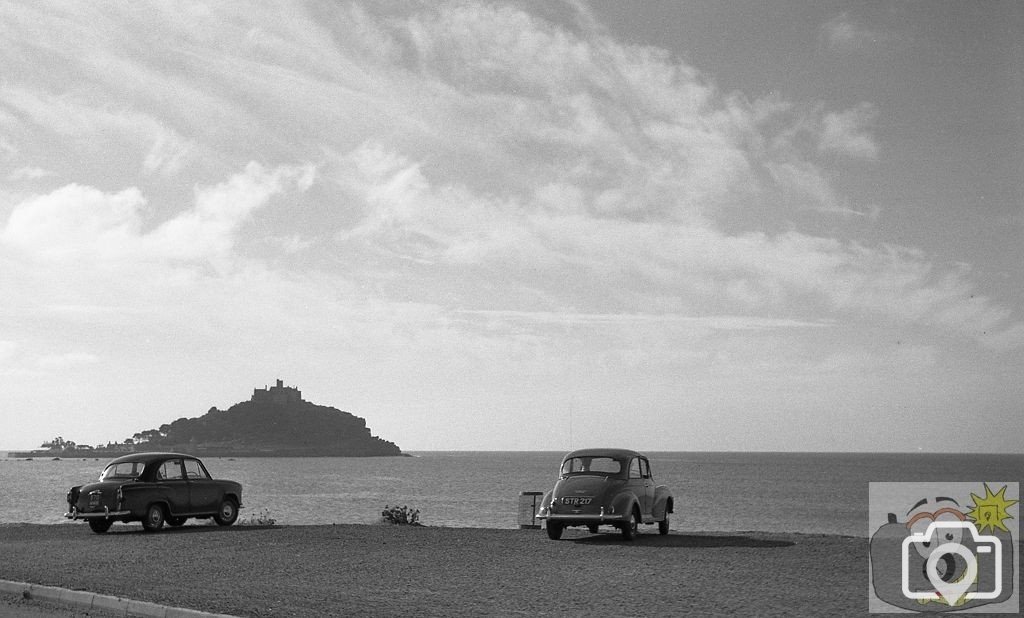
[401,515]
[262,518]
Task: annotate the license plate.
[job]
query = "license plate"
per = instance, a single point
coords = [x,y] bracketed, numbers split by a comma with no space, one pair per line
[576,501]
[94,500]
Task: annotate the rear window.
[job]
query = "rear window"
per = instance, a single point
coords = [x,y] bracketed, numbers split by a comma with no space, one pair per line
[123,470]
[591,465]
[170,470]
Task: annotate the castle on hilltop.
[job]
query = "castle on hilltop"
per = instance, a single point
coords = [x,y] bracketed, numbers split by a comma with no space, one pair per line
[277,394]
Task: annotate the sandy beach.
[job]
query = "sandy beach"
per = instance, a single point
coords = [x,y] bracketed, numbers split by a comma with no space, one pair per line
[434,571]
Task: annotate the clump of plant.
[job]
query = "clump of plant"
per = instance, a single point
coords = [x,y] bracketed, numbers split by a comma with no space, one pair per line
[262,518]
[401,515]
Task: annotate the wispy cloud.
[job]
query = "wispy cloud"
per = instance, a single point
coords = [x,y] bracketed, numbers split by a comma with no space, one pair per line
[521,146]
[848,132]
[845,33]
[416,193]
[77,222]
[717,322]
[7,350]
[28,173]
[68,359]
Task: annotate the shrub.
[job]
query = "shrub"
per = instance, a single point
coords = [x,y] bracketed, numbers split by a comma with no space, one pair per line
[263,518]
[401,515]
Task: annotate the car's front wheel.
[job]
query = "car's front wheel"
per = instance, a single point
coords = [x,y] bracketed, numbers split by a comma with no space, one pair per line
[99,526]
[227,513]
[663,526]
[554,530]
[154,518]
[631,528]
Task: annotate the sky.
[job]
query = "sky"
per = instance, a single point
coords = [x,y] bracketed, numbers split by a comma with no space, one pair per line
[732,226]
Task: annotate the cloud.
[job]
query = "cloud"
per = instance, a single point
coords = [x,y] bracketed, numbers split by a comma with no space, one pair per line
[676,267]
[803,183]
[846,132]
[168,153]
[73,221]
[77,222]
[845,33]
[28,173]
[716,322]
[208,230]
[69,359]
[7,350]
[443,159]
[1010,338]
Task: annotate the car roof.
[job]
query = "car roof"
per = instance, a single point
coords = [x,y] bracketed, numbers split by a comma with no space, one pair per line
[617,453]
[149,457]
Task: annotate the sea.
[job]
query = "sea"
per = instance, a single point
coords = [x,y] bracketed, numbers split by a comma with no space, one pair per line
[818,493]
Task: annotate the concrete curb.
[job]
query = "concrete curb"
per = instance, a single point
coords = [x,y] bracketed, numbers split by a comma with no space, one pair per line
[90,600]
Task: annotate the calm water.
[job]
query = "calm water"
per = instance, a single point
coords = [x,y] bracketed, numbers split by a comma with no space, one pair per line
[779,492]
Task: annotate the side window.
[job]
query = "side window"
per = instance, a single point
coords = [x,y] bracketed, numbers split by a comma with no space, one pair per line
[645,469]
[170,470]
[634,468]
[193,470]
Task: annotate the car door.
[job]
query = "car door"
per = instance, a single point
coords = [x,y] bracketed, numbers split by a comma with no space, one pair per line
[204,492]
[637,484]
[171,478]
[648,488]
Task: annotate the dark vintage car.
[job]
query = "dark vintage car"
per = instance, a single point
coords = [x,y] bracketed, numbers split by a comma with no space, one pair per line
[603,486]
[154,488]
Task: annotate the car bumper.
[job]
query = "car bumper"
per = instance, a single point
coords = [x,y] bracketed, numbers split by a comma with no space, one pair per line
[584,518]
[106,513]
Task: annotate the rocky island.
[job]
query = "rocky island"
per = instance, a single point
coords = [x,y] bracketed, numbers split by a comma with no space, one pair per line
[275,422]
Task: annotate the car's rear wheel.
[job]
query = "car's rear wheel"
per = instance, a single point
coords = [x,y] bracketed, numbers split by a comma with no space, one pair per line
[630,528]
[227,513]
[176,521]
[554,530]
[663,526]
[99,526]
[154,518]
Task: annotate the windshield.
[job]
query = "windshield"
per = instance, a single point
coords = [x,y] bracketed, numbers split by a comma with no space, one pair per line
[123,470]
[591,465]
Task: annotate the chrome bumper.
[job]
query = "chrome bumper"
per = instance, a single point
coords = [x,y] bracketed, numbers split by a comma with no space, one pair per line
[106,514]
[596,518]
[583,518]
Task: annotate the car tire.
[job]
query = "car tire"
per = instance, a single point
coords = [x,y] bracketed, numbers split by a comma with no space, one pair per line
[176,521]
[663,526]
[154,518]
[631,528]
[227,513]
[99,526]
[554,531]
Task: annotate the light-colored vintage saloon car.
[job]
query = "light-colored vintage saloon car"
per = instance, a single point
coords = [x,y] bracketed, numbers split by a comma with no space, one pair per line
[601,486]
[154,488]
